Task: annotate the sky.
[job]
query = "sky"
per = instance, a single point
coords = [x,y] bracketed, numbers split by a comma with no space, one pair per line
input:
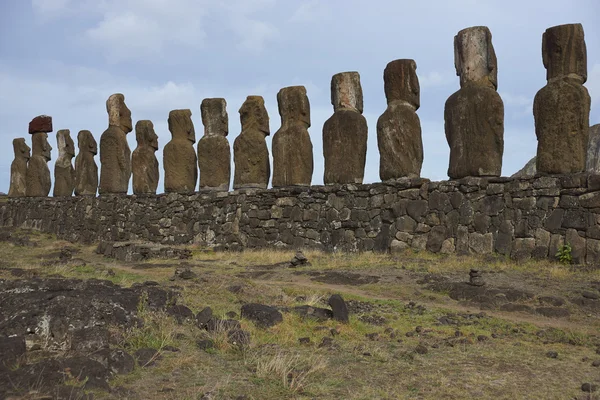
[64,58]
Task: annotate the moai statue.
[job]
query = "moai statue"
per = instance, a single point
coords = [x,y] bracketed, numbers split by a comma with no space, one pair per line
[143,160]
[179,157]
[561,109]
[214,153]
[86,170]
[18,169]
[64,173]
[345,133]
[399,128]
[250,153]
[292,148]
[593,150]
[38,179]
[115,155]
[474,115]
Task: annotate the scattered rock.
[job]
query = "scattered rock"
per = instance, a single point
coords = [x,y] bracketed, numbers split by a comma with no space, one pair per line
[372,336]
[596,363]
[589,387]
[552,300]
[184,273]
[304,340]
[552,354]
[421,349]
[318,313]
[299,260]
[591,295]
[203,317]
[11,350]
[482,338]
[238,337]
[235,289]
[262,315]
[205,344]
[147,357]
[222,325]
[340,310]
[475,278]
[326,342]
[181,313]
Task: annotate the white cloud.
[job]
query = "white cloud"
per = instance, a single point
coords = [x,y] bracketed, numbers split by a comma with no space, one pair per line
[48,9]
[310,11]
[434,79]
[517,106]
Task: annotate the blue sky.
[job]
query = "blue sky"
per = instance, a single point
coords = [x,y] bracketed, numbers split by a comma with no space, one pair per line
[65,57]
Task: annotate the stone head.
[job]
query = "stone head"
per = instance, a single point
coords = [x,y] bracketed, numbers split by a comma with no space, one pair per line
[118,113]
[66,146]
[214,117]
[181,125]
[346,92]
[475,58]
[86,142]
[40,145]
[22,151]
[145,135]
[564,52]
[253,115]
[401,82]
[294,105]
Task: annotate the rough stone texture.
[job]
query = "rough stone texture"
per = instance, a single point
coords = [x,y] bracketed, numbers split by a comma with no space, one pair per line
[474,115]
[115,155]
[38,179]
[399,128]
[292,147]
[18,169]
[86,170]
[214,153]
[179,158]
[262,315]
[250,152]
[144,164]
[593,150]
[561,109]
[339,308]
[41,123]
[64,173]
[523,218]
[345,133]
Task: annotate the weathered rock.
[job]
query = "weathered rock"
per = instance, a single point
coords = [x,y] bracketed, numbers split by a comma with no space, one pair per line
[38,179]
[399,128]
[476,278]
[214,153]
[562,108]
[345,133]
[144,164]
[593,150]
[529,170]
[262,315]
[115,155]
[146,357]
[86,170]
[41,123]
[474,115]
[179,158]
[64,173]
[339,308]
[250,152]
[18,168]
[292,147]
[12,350]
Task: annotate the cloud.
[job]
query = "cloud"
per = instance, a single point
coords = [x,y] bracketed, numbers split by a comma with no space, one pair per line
[434,79]
[310,11]
[517,105]
[49,9]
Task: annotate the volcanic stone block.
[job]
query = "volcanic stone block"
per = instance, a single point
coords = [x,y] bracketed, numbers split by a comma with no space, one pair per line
[115,155]
[18,169]
[593,150]
[179,157]
[399,128]
[474,115]
[38,179]
[561,109]
[345,133]
[144,164]
[86,170]
[250,152]
[64,173]
[292,147]
[214,152]
[41,123]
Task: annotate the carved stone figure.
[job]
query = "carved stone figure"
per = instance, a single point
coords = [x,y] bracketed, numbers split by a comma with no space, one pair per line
[345,132]
[143,160]
[86,170]
[292,147]
[399,128]
[18,169]
[115,155]
[64,173]
[38,179]
[593,150]
[474,115]
[179,157]
[561,109]
[250,153]
[214,153]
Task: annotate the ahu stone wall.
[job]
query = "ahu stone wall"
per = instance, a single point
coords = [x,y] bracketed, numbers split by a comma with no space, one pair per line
[521,218]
